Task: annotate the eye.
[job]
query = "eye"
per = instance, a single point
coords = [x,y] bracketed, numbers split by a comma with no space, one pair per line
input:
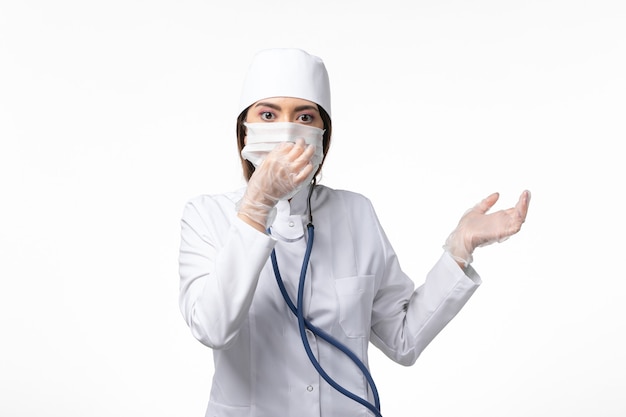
[305,118]
[266,115]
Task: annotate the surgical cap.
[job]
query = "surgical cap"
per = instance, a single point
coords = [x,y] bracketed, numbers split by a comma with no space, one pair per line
[286,72]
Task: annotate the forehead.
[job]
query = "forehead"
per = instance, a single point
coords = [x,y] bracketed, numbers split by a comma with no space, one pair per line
[286,103]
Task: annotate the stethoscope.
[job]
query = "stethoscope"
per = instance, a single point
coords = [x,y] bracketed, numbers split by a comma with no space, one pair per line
[304,324]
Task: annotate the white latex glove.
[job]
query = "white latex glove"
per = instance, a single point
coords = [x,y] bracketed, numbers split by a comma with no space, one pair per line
[477,228]
[282,170]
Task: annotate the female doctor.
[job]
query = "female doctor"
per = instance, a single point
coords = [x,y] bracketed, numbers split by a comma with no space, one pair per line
[288,281]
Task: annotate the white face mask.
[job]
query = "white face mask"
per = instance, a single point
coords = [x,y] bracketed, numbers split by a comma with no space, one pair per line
[262,138]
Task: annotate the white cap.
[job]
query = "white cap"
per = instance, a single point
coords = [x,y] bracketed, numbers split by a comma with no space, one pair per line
[286,72]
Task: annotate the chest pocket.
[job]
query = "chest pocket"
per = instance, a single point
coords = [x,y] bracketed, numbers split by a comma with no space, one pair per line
[355,296]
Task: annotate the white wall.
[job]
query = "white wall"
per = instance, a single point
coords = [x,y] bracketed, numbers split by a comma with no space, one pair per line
[113,114]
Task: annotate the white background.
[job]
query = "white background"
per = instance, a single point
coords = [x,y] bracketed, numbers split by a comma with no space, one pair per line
[114,113]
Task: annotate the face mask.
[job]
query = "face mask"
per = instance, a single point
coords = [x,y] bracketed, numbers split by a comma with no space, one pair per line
[262,138]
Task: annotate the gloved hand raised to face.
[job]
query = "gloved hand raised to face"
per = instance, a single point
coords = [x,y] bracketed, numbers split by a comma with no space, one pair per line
[477,228]
[284,169]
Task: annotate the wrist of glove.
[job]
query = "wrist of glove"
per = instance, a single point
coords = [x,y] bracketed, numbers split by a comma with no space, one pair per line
[461,244]
[458,249]
[260,210]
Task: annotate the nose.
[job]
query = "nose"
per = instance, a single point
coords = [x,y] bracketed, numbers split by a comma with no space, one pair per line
[285,117]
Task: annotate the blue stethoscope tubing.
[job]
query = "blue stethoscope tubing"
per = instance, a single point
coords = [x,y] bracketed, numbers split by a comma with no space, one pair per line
[304,324]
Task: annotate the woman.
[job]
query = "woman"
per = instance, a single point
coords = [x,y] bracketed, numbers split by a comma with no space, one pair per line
[289,320]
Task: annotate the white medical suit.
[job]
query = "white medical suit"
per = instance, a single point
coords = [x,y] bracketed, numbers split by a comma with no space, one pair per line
[355,290]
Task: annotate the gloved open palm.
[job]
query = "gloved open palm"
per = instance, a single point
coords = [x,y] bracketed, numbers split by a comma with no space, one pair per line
[477,228]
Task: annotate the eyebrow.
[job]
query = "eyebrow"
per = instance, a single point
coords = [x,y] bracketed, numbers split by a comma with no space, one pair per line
[297,109]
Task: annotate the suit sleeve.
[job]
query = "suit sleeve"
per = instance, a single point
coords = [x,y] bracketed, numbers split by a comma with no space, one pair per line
[220,261]
[404,319]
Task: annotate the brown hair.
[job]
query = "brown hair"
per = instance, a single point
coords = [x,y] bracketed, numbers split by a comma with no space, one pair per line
[248,168]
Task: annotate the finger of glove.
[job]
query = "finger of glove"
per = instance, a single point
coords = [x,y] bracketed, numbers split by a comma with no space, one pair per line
[298,158]
[303,174]
[305,157]
[293,155]
[517,214]
[301,153]
[290,149]
[303,166]
[522,205]
[487,203]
